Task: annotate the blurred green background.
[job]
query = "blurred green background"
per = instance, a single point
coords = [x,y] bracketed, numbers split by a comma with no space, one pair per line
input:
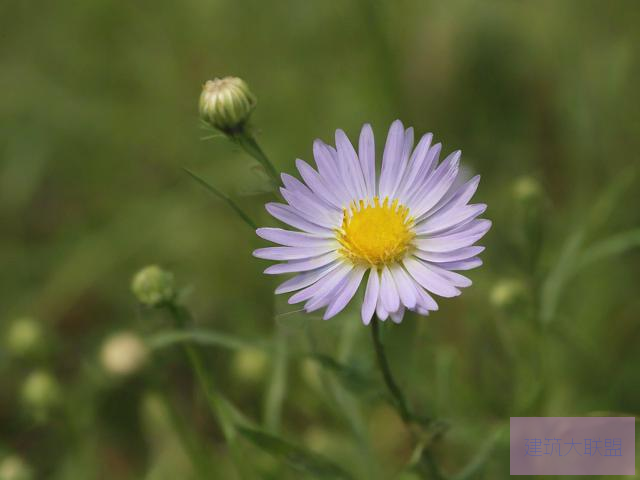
[99,116]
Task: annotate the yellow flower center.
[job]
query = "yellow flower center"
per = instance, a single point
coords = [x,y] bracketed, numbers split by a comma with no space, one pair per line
[377,234]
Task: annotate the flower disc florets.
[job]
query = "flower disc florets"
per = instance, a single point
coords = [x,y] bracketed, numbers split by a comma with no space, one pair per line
[376,234]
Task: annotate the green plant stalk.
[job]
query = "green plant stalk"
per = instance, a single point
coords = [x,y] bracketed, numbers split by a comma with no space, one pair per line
[248,143]
[188,440]
[397,396]
[216,403]
[427,464]
[182,317]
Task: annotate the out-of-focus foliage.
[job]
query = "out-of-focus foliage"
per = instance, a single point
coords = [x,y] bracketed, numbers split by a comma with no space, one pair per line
[99,117]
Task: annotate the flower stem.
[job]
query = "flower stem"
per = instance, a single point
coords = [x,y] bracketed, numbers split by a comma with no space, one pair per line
[182,317]
[222,411]
[427,463]
[396,394]
[248,143]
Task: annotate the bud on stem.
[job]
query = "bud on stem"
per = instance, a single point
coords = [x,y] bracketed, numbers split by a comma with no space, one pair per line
[153,286]
[226,104]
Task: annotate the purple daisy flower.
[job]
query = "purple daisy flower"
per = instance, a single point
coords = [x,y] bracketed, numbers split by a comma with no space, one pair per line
[410,228]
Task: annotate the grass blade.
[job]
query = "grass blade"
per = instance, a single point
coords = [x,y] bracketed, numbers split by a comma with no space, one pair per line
[202,337]
[614,245]
[297,457]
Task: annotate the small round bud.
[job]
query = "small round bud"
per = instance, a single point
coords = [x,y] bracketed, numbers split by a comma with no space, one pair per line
[123,354]
[526,189]
[13,467]
[40,391]
[250,364]
[226,103]
[24,337]
[153,286]
[506,293]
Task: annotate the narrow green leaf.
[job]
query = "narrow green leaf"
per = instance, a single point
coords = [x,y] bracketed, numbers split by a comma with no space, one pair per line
[351,378]
[480,459]
[224,197]
[555,281]
[611,197]
[614,245]
[277,389]
[571,260]
[297,457]
[202,337]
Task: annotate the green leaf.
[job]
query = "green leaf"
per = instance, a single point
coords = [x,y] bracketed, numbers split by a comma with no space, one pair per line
[564,267]
[202,337]
[351,378]
[224,197]
[574,258]
[297,457]
[277,389]
[480,459]
[571,257]
[614,245]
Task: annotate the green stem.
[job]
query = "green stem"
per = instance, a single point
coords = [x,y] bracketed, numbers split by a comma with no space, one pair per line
[182,317]
[427,463]
[188,441]
[396,394]
[248,143]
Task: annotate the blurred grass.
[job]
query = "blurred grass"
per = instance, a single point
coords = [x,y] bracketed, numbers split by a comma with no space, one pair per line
[99,118]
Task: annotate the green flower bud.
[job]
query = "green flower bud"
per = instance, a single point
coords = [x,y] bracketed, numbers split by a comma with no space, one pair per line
[153,286]
[13,467]
[40,392]
[123,354]
[250,364]
[226,104]
[507,293]
[24,337]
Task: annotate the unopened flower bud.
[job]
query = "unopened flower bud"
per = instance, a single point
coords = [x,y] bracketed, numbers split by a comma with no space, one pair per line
[507,293]
[40,391]
[123,354]
[13,467]
[250,364]
[153,286]
[226,103]
[24,337]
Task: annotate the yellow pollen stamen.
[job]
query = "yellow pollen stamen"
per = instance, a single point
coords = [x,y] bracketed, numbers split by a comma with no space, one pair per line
[375,235]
